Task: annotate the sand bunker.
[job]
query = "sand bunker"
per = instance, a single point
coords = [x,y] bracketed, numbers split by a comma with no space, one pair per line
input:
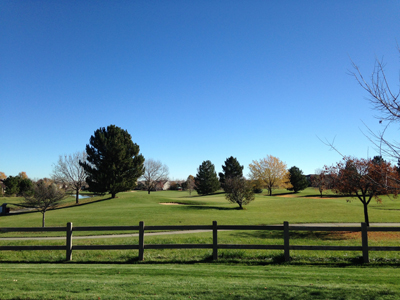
[171,203]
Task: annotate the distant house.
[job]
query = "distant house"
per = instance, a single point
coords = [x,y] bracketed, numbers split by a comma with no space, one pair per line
[159,186]
[166,185]
[2,187]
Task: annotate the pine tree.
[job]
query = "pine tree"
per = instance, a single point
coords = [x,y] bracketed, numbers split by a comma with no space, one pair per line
[113,161]
[12,185]
[297,179]
[206,179]
[231,169]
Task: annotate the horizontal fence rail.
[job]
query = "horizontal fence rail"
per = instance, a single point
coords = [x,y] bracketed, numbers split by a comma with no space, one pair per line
[214,228]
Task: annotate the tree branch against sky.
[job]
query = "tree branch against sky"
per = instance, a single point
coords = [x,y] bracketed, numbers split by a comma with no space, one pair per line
[384,99]
[70,173]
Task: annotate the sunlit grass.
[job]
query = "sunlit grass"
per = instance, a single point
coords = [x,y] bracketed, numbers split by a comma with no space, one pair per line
[196,281]
[132,207]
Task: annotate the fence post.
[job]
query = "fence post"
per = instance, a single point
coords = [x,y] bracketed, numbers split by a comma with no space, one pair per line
[69,242]
[141,240]
[286,240]
[215,241]
[364,238]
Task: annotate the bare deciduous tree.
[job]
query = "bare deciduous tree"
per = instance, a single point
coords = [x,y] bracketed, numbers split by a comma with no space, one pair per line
[385,100]
[154,173]
[43,197]
[190,184]
[70,173]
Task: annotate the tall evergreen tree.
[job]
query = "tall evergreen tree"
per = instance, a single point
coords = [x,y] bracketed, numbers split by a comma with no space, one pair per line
[231,169]
[12,185]
[206,179]
[297,179]
[113,161]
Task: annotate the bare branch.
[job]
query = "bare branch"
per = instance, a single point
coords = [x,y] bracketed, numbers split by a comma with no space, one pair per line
[70,173]
[330,145]
[154,173]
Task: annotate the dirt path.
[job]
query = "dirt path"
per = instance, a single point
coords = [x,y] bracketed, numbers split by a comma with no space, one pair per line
[189,231]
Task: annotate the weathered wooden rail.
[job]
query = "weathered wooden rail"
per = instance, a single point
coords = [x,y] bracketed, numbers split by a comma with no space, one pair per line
[286,247]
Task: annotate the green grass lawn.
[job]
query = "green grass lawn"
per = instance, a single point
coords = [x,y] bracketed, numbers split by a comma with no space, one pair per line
[190,274]
[196,281]
[131,207]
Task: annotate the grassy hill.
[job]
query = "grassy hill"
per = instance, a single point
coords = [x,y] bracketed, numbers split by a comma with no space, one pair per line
[131,207]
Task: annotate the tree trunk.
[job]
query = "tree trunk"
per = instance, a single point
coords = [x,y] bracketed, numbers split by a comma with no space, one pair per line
[77,197]
[366,213]
[148,191]
[43,219]
[113,195]
[270,191]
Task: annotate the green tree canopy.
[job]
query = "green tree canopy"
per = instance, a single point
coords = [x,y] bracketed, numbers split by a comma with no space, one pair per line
[25,186]
[240,191]
[206,179]
[113,161]
[231,169]
[297,180]
[12,185]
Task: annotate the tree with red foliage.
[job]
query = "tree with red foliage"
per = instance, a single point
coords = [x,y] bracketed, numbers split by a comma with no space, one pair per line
[364,178]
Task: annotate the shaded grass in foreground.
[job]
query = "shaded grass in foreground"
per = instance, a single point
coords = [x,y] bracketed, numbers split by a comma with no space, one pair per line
[196,281]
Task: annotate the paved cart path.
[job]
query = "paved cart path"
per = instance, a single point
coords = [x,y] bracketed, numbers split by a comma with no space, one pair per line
[188,231]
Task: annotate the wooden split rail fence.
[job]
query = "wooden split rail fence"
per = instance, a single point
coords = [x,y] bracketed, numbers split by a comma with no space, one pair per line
[286,247]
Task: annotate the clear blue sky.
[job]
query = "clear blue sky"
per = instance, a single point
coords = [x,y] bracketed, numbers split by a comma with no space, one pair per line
[191,80]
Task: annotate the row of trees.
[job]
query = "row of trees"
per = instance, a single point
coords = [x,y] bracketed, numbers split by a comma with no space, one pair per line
[16,185]
[269,173]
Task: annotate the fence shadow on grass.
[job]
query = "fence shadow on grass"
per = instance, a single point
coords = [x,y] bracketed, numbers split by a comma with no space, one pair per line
[310,235]
[231,258]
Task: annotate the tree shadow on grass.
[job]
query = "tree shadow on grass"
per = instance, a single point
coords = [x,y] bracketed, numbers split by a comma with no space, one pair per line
[33,210]
[213,194]
[383,208]
[298,195]
[205,207]
[281,194]
[324,196]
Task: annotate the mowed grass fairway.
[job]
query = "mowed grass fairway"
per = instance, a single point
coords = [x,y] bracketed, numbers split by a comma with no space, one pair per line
[131,207]
[190,274]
